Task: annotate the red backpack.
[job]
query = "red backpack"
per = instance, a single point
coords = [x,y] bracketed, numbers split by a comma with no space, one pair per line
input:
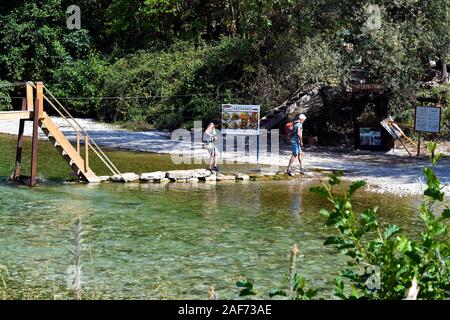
[289,130]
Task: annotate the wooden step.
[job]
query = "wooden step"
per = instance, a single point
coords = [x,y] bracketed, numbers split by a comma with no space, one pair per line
[65,148]
[16,115]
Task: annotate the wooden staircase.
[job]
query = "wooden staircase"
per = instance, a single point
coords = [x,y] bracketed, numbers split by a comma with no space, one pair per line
[79,165]
[33,110]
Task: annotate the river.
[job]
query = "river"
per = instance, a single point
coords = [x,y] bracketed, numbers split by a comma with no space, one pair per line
[169,241]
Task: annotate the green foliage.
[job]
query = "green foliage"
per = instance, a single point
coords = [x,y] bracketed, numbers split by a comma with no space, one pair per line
[5,99]
[31,43]
[319,62]
[297,289]
[81,79]
[383,262]
[166,88]
[188,57]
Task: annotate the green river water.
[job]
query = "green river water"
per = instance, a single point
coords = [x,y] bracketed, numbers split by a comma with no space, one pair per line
[152,241]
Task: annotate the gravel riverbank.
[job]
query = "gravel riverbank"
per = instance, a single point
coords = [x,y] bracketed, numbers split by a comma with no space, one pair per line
[391,172]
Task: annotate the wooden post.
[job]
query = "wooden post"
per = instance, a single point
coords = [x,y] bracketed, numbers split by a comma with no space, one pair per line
[78,143]
[404,146]
[34,145]
[418,145]
[86,154]
[29,101]
[19,149]
[40,98]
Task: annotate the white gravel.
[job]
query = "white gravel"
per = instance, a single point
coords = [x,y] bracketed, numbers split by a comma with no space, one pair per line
[391,172]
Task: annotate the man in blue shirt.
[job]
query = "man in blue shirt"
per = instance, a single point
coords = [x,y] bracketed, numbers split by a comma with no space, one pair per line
[297,143]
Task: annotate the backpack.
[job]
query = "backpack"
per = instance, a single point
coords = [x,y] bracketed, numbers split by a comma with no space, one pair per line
[289,130]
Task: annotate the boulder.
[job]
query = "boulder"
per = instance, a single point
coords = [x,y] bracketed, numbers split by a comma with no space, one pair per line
[104,178]
[125,177]
[159,175]
[243,177]
[180,174]
[212,177]
[222,177]
[201,173]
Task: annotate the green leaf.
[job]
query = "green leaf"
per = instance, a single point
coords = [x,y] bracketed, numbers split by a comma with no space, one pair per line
[355,186]
[403,244]
[391,230]
[339,290]
[320,190]
[435,194]
[310,293]
[247,292]
[436,159]
[334,180]
[333,240]
[244,284]
[324,212]
[368,219]
[354,294]
[416,258]
[276,292]
[446,214]
[431,147]
[300,282]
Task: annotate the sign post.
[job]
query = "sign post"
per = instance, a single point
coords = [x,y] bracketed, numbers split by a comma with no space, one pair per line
[427,119]
[241,120]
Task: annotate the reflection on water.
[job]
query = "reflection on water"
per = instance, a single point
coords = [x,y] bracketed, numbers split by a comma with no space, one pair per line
[170,240]
[176,240]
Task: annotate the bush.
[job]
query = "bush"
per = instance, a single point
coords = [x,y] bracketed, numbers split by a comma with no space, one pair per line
[78,83]
[5,99]
[383,262]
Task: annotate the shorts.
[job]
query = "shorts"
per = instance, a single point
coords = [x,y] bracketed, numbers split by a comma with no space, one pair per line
[212,149]
[296,149]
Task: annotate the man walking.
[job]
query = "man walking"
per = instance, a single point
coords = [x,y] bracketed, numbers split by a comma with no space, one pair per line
[297,142]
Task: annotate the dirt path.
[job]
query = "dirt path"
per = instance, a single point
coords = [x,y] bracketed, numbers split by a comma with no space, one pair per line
[391,171]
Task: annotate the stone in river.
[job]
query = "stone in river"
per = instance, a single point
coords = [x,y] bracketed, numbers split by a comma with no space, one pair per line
[104,178]
[201,173]
[240,176]
[222,177]
[125,177]
[180,174]
[212,177]
[159,175]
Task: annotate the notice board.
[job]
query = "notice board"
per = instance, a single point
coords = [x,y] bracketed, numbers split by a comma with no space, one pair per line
[240,119]
[428,119]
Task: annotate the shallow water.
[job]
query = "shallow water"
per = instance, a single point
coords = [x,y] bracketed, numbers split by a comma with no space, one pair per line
[171,240]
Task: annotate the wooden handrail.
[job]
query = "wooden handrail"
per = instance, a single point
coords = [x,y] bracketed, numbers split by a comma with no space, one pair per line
[105,159]
[79,131]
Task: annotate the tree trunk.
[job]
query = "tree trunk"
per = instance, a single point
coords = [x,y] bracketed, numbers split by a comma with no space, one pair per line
[445,78]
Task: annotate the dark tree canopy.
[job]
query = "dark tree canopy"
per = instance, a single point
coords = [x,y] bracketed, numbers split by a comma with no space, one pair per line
[190,56]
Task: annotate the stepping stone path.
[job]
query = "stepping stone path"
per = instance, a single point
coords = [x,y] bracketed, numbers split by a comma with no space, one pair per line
[196,175]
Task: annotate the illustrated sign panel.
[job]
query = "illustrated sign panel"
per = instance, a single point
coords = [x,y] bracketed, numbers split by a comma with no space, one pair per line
[370,137]
[240,119]
[428,119]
